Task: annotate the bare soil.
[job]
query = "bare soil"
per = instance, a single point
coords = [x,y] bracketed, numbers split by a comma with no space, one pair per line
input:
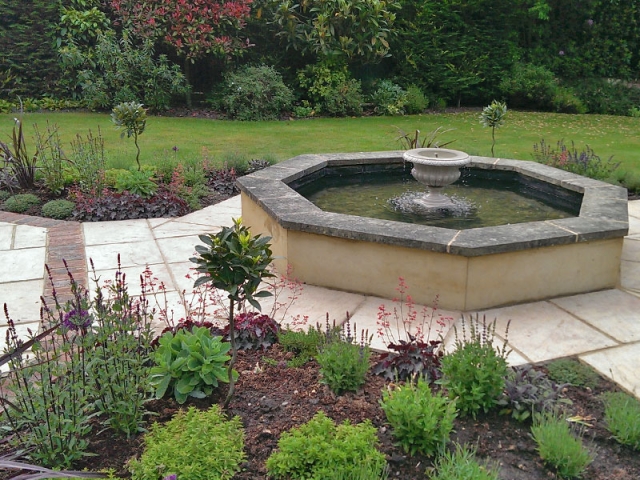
[272,399]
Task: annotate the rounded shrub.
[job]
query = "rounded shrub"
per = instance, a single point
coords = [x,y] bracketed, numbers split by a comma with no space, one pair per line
[4,195]
[256,93]
[389,98]
[58,209]
[21,203]
[194,445]
[416,101]
[530,86]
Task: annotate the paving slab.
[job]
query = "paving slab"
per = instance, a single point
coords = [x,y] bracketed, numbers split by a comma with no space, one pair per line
[159,273]
[22,330]
[613,312]
[179,272]
[215,216]
[630,276]
[6,235]
[135,253]
[634,208]
[22,299]
[542,331]
[101,233]
[620,364]
[631,249]
[178,249]
[634,227]
[25,264]
[180,229]
[29,237]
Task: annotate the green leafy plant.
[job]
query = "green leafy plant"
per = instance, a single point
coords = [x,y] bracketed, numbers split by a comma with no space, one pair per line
[193,445]
[558,447]
[136,182]
[234,261]
[190,364]
[132,117]
[528,391]
[254,331]
[256,93]
[89,162]
[463,464]
[21,203]
[585,162]
[622,416]
[474,373]
[330,89]
[493,116]
[567,370]
[4,195]
[421,421]
[416,101]
[305,344]
[51,158]
[321,450]
[17,159]
[58,209]
[344,362]
[409,141]
[389,98]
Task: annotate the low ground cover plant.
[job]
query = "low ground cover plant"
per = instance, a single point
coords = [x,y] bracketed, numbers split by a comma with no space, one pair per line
[321,450]
[566,370]
[462,463]
[622,416]
[193,445]
[58,209]
[21,202]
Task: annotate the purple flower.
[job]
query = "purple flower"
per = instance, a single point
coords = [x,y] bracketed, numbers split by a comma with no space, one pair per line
[561,53]
[75,320]
[175,149]
[590,22]
[173,476]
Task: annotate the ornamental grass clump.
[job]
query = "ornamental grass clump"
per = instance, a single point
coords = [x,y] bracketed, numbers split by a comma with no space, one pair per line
[321,450]
[193,445]
[462,464]
[474,373]
[421,421]
[558,447]
[622,416]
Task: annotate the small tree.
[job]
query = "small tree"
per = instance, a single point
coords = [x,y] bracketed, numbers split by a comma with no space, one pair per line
[133,118]
[234,261]
[493,116]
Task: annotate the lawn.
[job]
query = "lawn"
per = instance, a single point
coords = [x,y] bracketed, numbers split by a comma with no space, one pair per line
[278,140]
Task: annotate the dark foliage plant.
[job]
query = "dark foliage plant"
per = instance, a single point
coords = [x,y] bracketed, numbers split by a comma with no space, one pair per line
[223,180]
[254,331]
[410,360]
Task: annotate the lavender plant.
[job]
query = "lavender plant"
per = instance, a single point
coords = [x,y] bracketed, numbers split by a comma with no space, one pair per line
[584,162]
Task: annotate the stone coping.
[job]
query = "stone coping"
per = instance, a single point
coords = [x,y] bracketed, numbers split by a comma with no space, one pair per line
[603,214]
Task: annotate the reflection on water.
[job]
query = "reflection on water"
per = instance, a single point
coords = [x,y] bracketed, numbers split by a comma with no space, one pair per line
[479,203]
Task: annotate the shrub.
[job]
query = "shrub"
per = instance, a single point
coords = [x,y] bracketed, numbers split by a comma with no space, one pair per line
[407,360]
[566,370]
[21,203]
[558,447]
[416,101]
[256,93]
[343,361]
[132,118]
[136,182]
[622,416]
[223,180]
[493,116]
[421,421]
[58,209]
[474,374]
[321,450]
[389,98]
[304,344]
[344,99]
[463,464]
[530,86]
[565,101]
[585,162]
[89,162]
[4,195]
[330,89]
[529,391]
[254,330]
[194,445]
[606,96]
[189,363]
[125,206]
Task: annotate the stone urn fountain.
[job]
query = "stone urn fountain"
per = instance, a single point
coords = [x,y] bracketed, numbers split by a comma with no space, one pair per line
[436,168]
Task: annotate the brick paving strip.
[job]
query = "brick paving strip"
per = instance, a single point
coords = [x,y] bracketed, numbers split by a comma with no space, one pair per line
[64,242]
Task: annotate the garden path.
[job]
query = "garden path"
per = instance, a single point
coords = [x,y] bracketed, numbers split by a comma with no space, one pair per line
[601,328]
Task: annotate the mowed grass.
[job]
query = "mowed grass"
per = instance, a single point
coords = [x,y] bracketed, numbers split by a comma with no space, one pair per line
[279,140]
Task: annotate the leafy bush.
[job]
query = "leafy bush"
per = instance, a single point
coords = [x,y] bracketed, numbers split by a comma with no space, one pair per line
[421,421]
[622,416]
[530,86]
[343,361]
[474,374]
[570,371]
[585,162]
[254,331]
[606,96]
[58,209]
[256,93]
[331,90]
[407,360]
[223,180]
[566,101]
[389,98]
[344,100]
[463,464]
[125,206]
[189,363]
[21,203]
[304,344]
[558,447]
[194,445]
[321,450]
[529,391]
[136,182]
[416,101]
[4,195]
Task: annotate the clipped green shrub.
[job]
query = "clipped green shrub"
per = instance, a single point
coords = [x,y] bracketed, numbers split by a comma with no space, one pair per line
[558,447]
[416,101]
[421,421]
[320,450]
[194,445]
[21,203]
[58,209]
[566,370]
[622,416]
[474,374]
[190,363]
[463,464]
[389,98]
[4,195]
[256,93]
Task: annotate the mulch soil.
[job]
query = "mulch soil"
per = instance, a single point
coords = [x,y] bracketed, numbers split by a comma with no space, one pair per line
[271,399]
